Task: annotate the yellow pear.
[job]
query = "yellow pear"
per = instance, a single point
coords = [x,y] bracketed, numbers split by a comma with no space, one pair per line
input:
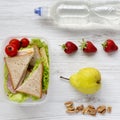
[86,80]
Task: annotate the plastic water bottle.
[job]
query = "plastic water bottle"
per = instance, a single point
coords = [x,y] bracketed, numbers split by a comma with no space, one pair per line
[78,14]
[66,13]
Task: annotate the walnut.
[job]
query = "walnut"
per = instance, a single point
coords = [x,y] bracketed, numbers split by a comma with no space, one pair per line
[101,109]
[84,111]
[70,111]
[68,104]
[80,108]
[91,110]
[109,109]
[91,106]
[70,108]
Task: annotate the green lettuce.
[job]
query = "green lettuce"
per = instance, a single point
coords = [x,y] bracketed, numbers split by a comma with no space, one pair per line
[18,97]
[45,78]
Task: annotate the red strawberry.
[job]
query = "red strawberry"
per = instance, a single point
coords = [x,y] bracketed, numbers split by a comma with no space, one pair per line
[109,46]
[69,47]
[88,47]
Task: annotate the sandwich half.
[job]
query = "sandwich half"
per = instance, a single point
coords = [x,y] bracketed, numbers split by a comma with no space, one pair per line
[17,67]
[36,55]
[33,83]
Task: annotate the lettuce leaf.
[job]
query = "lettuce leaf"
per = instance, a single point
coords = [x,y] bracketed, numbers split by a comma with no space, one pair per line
[18,97]
[45,78]
[5,79]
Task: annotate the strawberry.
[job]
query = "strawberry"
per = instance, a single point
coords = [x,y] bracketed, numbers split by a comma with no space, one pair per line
[109,46]
[88,46]
[69,47]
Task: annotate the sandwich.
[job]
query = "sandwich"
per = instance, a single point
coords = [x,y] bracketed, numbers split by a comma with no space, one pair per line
[33,84]
[27,74]
[17,68]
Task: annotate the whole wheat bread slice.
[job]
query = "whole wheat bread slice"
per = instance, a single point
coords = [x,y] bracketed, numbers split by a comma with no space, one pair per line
[17,67]
[33,84]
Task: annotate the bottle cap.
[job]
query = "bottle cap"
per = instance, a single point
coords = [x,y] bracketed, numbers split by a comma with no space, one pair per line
[38,11]
[43,12]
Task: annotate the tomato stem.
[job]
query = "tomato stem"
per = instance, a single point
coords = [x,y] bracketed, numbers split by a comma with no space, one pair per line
[9,48]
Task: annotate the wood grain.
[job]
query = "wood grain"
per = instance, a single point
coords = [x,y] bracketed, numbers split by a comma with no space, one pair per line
[17,18]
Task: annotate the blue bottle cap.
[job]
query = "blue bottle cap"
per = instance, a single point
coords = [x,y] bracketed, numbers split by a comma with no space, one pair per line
[38,11]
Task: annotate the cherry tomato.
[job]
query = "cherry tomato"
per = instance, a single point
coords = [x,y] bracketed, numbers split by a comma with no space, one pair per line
[11,50]
[24,42]
[16,42]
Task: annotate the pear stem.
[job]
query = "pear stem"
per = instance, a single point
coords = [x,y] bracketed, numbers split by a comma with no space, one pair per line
[64,78]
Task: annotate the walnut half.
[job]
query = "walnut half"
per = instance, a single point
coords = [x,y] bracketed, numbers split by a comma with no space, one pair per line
[101,109]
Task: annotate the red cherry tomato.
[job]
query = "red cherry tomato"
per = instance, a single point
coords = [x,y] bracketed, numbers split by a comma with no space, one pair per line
[24,42]
[11,50]
[16,42]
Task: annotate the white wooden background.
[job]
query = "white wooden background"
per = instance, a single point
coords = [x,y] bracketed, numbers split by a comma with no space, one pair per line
[17,18]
